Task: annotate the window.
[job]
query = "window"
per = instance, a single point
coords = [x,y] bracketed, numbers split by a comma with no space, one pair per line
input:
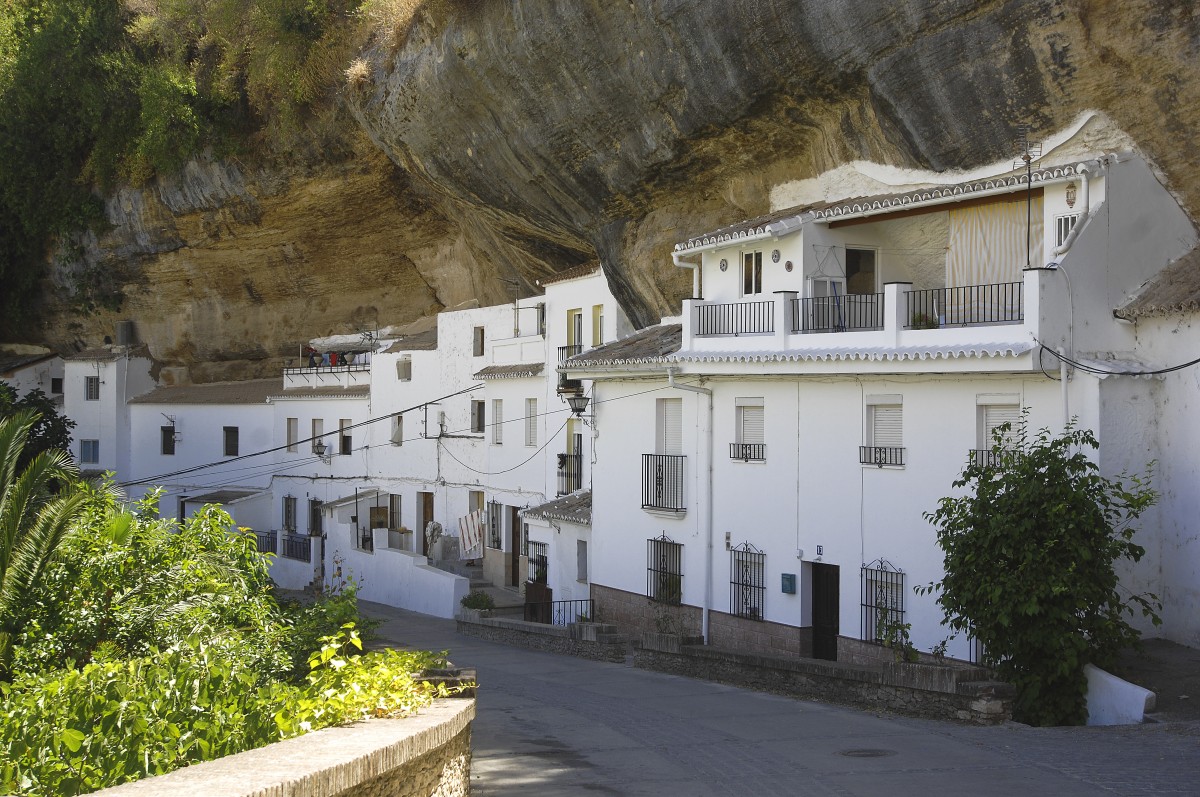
[404,369]
[884,432]
[56,385]
[669,426]
[1063,226]
[289,513]
[581,572]
[167,440]
[231,441]
[747,581]
[475,500]
[397,430]
[293,433]
[477,417]
[89,451]
[575,329]
[531,422]
[394,501]
[664,570]
[882,601]
[751,273]
[477,342]
[318,429]
[991,415]
[860,271]
[91,386]
[539,564]
[497,421]
[749,441]
[597,324]
[345,439]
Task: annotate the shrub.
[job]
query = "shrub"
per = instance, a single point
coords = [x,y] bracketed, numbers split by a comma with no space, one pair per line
[478,599]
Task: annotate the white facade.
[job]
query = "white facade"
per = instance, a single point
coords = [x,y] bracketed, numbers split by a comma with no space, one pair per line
[97,386]
[29,369]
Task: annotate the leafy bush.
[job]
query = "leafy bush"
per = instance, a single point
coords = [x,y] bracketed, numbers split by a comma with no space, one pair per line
[1029,563]
[478,599]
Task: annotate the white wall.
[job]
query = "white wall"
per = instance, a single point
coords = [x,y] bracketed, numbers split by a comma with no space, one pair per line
[562,540]
[400,578]
[106,419]
[37,376]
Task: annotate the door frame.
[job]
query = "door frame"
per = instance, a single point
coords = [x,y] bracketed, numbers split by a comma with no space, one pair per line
[825,595]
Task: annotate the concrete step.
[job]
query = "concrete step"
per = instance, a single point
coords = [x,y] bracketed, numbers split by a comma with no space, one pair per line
[504,598]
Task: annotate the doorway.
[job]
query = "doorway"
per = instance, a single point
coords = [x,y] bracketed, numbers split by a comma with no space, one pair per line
[514,546]
[425,505]
[825,611]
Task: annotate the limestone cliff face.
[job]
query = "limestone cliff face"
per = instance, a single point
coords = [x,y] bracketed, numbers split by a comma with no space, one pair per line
[514,138]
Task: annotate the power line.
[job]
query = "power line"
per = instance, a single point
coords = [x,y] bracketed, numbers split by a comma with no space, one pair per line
[1092,369]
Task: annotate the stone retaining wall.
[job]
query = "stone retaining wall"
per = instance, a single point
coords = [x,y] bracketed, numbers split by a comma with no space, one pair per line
[637,613]
[758,636]
[939,692]
[428,755]
[595,641]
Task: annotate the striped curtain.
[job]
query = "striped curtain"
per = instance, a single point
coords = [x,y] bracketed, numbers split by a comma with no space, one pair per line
[987,242]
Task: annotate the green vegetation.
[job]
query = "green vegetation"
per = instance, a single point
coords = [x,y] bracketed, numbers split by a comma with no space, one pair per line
[51,430]
[134,645]
[1029,561]
[478,599]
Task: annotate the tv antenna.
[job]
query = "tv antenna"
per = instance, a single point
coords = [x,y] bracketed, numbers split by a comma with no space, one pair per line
[1028,151]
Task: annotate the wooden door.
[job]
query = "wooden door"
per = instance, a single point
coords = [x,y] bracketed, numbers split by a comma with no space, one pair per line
[825,611]
[426,500]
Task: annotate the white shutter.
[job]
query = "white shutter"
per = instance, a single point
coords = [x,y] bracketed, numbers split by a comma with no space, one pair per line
[398,430]
[887,426]
[751,425]
[670,426]
[531,422]
[497,421]
[995,416]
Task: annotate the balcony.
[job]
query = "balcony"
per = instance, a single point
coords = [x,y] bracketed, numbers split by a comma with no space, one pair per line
[565,384]
[748,452]
[296,546]
[847,313]
[966,306]
[737,318]
[267,541]
[570,473]
[329,370]
[880,455]
[662,482]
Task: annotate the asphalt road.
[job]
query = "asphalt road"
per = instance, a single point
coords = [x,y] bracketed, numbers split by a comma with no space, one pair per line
[550,725]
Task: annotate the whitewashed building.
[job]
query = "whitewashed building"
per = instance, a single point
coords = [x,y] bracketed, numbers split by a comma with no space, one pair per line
[29,368]
[767,462]
[98,384]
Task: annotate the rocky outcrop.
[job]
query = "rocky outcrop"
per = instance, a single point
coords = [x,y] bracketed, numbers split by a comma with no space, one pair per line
[510,139]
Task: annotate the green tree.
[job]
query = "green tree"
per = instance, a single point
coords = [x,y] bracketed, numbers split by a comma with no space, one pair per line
[37,506]
[1029,553]
[52,430]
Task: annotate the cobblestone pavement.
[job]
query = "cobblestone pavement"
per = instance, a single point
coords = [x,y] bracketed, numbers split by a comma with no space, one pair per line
[551,725]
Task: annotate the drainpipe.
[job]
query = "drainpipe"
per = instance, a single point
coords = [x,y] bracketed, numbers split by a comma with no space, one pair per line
[1062,378]
[1084,170]
[677,259]
[708,490]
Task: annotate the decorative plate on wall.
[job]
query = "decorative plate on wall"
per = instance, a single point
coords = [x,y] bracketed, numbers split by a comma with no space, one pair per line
[774,255]
[724,264]
[787,266]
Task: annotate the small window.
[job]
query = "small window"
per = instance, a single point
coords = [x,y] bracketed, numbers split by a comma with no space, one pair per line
[289,513]
[167,435]
[575,330]
[89,451]
[581,564]
[751,273]
[404,369]
[345,439]
[669,426]
[231,441]
[990,418]
[477,342]
[397,430]
[478,417]
[539,561]
[497,421]
[531,422]
[664,570]
[394,505]
[1063,226]
[747,581]
[749,440]
[293,433]
[884,432]
[92,388]
[597,324]
[318,430]
[882,601]
[860,271]
[56,385]
[475,500]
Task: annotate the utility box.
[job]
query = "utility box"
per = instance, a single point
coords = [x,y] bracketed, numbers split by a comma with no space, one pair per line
[789,583]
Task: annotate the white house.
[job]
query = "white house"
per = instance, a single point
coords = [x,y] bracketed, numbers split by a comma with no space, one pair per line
[29,368]
[766,463]
[97,386]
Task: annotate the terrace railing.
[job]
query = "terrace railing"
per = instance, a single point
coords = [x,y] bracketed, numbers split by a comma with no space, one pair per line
[559,612]
[846,313]
[296,546]
[736,318]
[1001,303]
[268,541]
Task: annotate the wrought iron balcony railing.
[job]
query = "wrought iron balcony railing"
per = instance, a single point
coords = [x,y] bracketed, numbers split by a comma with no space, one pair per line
[1001,303]
[662,482]
[846,313]
[737,318]
[748,452]
[880,455]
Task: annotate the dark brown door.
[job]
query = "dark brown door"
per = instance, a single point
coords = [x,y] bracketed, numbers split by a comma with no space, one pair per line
[426,516]
[514,545]
[825,611]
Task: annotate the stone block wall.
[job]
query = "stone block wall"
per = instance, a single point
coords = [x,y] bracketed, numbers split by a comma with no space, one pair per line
[635,613]
[758,636]
[427,755]
[595,641]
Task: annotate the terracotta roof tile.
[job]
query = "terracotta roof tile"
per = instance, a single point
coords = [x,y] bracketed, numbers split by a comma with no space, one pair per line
[510,371]
[648,345]
[573,508]
[250,391]
[1175,289]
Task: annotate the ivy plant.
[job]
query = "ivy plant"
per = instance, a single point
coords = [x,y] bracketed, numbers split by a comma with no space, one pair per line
[1030,554]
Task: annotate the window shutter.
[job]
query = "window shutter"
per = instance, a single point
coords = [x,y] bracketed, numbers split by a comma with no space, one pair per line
[497,421]
[887,426]
[531,422]
[751,430]
[404,369]
[995,416]
[670,426]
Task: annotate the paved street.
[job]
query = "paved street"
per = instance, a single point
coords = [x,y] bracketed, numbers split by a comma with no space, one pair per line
[551,724]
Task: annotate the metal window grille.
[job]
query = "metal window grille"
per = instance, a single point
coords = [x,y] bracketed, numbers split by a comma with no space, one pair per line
[664,570]
[493,516]
[297,547]
[882,599]
[289,513]
[747,581]
[570,473]
[539,561]
[880,455]
[92,388]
